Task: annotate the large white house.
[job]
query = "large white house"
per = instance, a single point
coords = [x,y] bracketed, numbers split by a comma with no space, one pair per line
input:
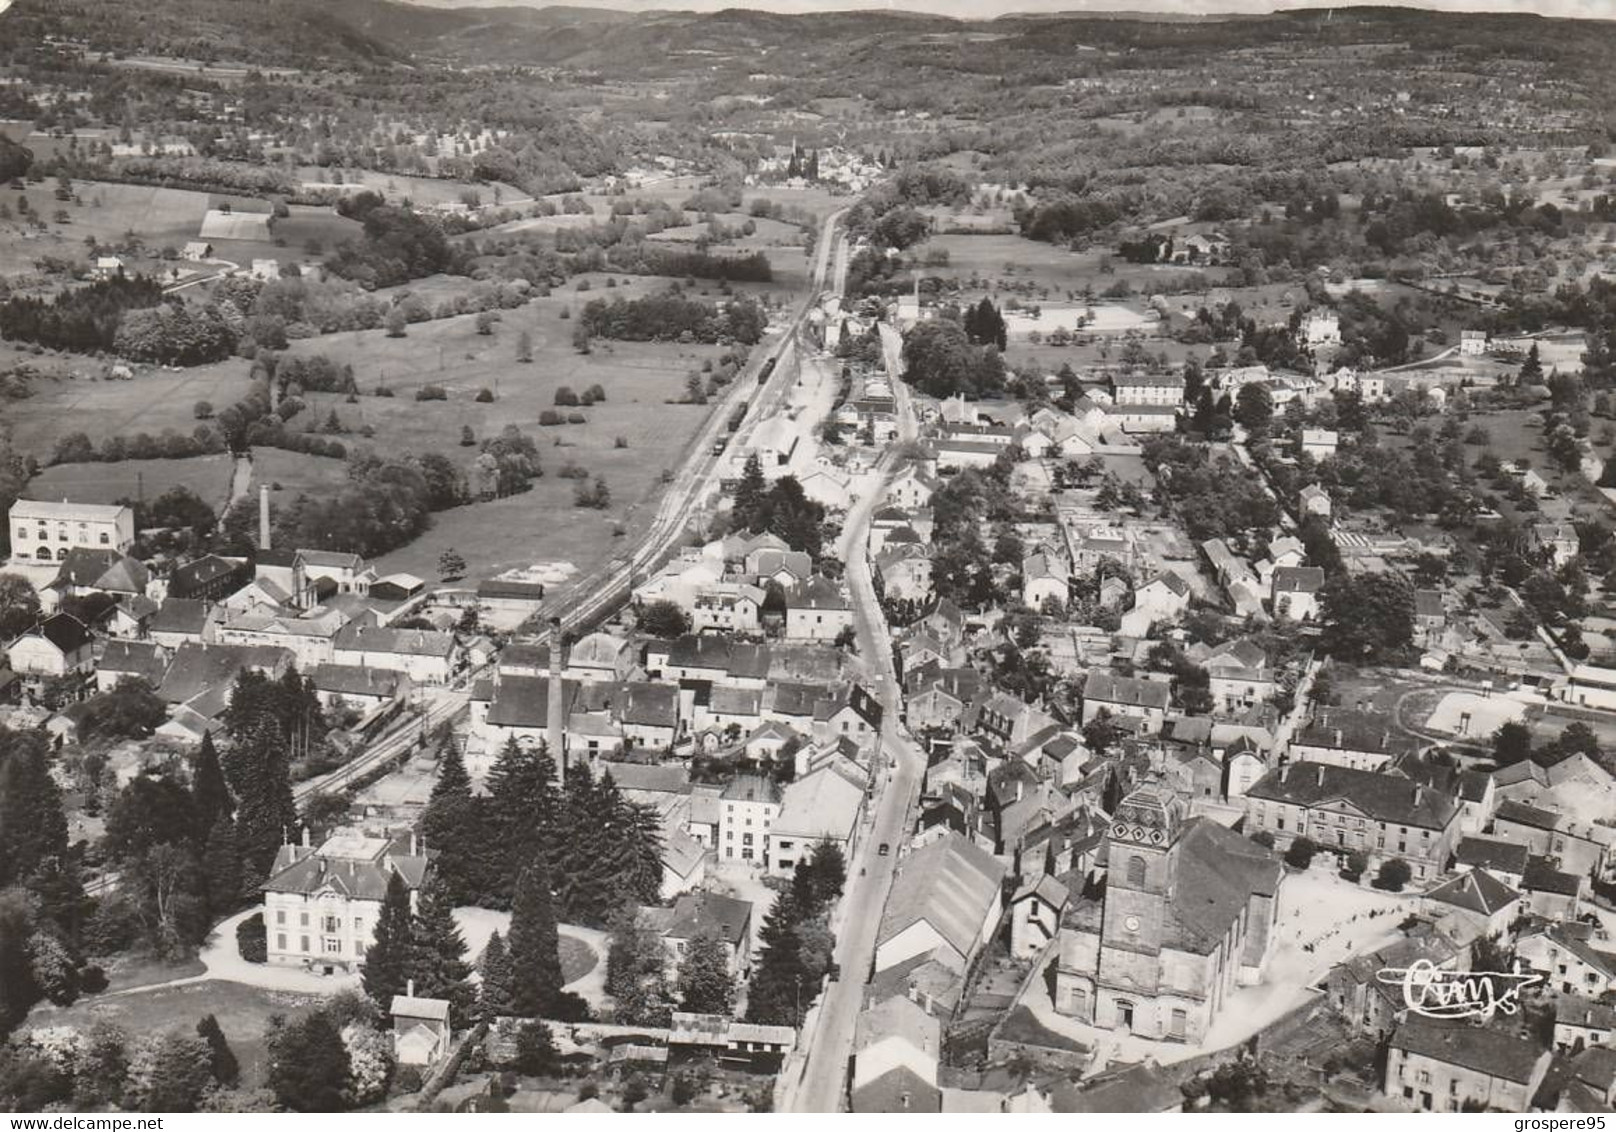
[45,532]
[321,905]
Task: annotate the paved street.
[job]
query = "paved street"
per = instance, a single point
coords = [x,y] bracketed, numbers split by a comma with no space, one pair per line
[817,1083]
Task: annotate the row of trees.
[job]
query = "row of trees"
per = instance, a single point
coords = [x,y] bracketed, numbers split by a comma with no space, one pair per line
[669,316]
[595,847]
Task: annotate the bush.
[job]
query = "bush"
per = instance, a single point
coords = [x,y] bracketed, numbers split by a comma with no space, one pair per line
[576,418]
[407,1080]
[484,395]
[202,410]
[620,442]
[1353,867]
[431,393]
[565,396]
[252,940]
[383,391]
[1264,838]
[1300,854]
[597,392]
[1393,875]
[92,979]
[550,417]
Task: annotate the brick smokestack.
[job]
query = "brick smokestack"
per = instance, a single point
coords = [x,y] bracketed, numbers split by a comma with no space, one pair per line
[263,517]
[556,720]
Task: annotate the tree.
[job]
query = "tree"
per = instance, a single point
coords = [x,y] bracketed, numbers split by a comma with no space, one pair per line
[222,1059]
[33,829]
[168,1072]
[386,969]
[396,322]
[747,510]
[536,1052]
[1512,743]
[524,347]
[534,946]
[775,995]
[221,859]
[131,710]
[1394,873]
[449,825]
[637,971]
[485,322]
[438,964]
[1355,864]
[308,1064]
[19,605]
[451,565]
[1300,854]
[664,619]
[210,796]
[497,996]
[1254,408]
[1367,618]
[1532,369]
[705,985]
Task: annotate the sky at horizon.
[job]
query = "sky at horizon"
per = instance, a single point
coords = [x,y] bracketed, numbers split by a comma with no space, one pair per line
[988,9]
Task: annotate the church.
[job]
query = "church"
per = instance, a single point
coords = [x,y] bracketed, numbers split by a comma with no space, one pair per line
[1187,915]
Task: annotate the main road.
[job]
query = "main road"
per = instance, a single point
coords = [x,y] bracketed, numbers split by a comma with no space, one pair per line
[816,1082]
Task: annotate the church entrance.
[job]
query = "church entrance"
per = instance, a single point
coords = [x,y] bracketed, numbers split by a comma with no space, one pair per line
[1125,1014]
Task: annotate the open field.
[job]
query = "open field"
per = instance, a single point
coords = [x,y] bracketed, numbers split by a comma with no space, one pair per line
[296,473]
[152,401]
[243,1013]
[640,379]
[208,476]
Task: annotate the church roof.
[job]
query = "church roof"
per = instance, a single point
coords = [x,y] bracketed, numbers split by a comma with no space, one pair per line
[1219,871]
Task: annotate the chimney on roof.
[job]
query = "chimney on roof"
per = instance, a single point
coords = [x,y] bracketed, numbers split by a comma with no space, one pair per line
[306,837]
[409,988]
[414,843]
[1321,774]
[1338,736]
[263,517]
[1419,793]
[1285,773]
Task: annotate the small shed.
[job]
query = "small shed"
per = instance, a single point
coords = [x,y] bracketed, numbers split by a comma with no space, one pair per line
[421,1030]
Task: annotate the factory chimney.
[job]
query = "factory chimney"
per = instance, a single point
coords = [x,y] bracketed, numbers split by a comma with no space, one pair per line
[556,718]
[263,517]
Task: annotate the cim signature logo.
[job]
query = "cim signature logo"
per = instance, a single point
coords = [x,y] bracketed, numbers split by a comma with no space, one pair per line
[1434,993]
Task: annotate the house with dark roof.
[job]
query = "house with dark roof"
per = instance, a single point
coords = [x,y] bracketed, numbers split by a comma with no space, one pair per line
[179,621]
[946,900]
[57,648]
[1475,790]
[723,918]
[1125,697]
[321,904]
[648,714]
[1240,676]
[896,1050]
[1035,915]
[1161,598]
[1357,739]
[1435,1066]
[1473,905]
[1580,847]
[518,707]
[1565,956]
[130,660]
[1368,1005]
[1188,905]
[1293,591]
[817,610]
[1343,809]
[209,578]
[1505,860]
[1135,1088]
[1590,1081]
[363,688]
[1550,891]
[1581,1022]
[427,657]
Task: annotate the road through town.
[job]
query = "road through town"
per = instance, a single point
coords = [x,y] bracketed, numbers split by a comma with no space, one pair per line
[817,1081]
